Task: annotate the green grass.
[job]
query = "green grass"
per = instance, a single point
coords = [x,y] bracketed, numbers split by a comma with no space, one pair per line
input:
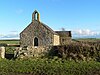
[87,39]
[9,41]
[45,66]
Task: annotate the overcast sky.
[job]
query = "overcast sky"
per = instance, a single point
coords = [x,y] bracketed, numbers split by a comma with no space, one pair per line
[82,17]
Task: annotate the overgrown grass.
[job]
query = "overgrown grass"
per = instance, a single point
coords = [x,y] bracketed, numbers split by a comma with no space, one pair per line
[45,66]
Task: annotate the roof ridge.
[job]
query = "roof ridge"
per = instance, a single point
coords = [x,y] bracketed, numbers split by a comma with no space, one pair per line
[48,28]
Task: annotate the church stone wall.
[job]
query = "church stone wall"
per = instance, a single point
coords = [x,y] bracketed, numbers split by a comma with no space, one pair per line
[36,29]
[56,40]
[65,40]
[38,37]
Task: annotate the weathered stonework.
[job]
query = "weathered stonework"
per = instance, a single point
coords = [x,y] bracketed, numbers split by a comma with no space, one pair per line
[65,37]
[38,37]
[32,51]
[2,52]
[36,29]
[56,40]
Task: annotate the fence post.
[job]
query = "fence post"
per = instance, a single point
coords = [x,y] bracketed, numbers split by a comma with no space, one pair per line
[2,52]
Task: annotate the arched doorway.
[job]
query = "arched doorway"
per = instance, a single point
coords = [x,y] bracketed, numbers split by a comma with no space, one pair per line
[35,41]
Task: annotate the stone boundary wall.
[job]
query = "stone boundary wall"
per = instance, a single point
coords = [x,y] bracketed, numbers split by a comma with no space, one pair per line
[31,51]
[2,52]
[37,51]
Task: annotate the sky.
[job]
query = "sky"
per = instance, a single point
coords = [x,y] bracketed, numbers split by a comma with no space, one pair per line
[82,17]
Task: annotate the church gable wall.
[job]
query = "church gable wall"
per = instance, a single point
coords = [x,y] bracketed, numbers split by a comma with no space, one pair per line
[36,29]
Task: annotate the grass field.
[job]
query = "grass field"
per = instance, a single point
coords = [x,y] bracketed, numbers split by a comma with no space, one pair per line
[9,41]
[87,39]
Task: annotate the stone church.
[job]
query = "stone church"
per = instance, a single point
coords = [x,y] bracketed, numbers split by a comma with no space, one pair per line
[37,36]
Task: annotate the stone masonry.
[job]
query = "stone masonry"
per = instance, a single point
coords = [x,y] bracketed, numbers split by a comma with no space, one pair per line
[2,52]
[37,37]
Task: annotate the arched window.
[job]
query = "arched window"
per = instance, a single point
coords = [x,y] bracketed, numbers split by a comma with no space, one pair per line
[35,41]
[35,16]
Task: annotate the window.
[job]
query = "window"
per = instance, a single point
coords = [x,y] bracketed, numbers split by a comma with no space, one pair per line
[36,16]
[35,41]
[63,40]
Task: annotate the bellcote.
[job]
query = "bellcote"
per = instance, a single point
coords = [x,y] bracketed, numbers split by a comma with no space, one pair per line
[35,16]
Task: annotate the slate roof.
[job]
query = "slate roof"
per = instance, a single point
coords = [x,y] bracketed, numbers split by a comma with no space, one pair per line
[64,33]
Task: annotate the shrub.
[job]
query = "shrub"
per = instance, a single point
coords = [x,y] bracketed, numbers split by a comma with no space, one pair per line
[45,66]
[78,51]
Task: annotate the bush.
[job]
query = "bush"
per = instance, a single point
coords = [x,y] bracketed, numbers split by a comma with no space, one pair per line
[78,51]
[45,66]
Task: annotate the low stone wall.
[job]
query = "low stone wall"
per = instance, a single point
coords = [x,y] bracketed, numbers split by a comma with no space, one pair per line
[2,52]
[32,51]
[38,51]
